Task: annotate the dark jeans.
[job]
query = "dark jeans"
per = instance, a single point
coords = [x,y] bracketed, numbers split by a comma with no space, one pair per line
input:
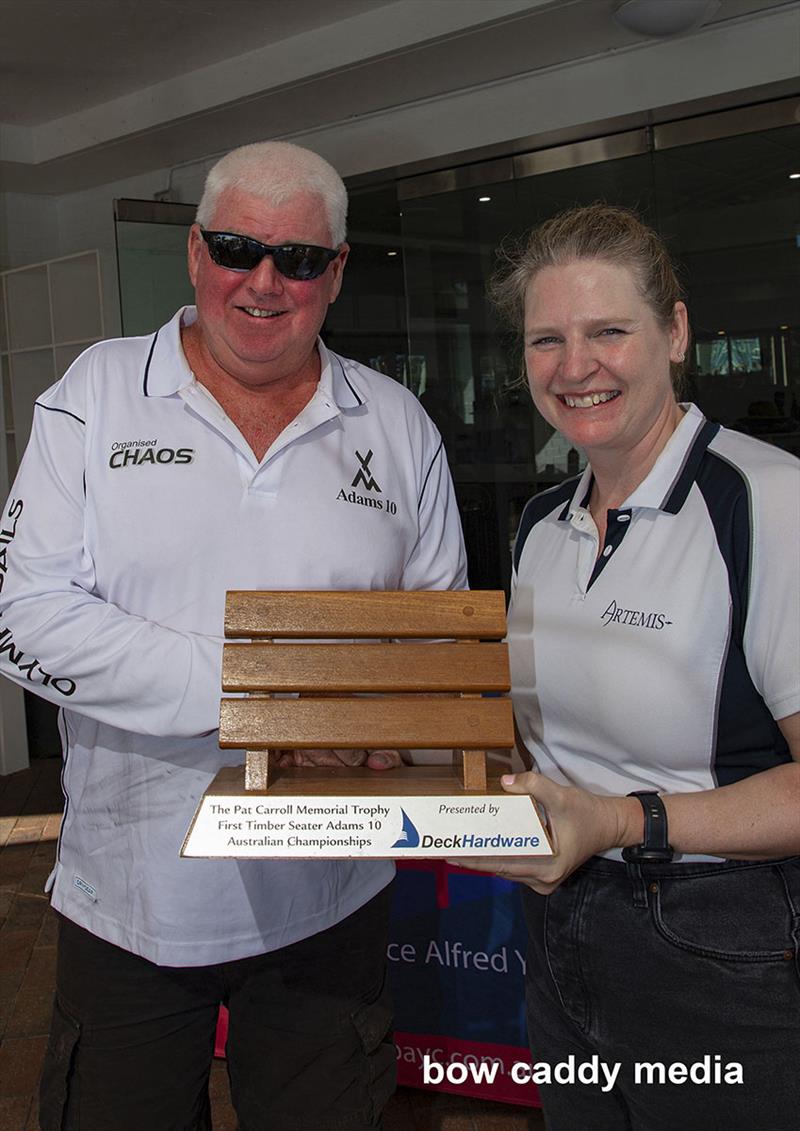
[669,964]
[309,1043]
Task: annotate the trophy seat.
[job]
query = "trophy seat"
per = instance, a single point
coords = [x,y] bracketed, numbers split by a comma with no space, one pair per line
[366,669]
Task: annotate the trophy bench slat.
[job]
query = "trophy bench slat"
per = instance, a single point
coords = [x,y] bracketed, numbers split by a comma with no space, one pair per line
[316,668]
[403,614]
[437,723]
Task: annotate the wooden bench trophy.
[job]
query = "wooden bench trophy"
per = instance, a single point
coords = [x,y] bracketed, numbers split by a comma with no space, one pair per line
[372,670]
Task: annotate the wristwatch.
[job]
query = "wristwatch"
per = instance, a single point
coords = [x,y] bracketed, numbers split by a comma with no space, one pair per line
[655,846]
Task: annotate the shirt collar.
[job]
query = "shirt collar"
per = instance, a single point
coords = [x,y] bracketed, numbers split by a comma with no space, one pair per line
[166,370]
[667,485]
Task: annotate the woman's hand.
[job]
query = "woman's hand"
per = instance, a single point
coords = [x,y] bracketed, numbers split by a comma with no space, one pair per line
[580,824]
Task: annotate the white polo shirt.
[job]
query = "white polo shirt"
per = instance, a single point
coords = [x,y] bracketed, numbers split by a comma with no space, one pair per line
[664,663]
[137,505]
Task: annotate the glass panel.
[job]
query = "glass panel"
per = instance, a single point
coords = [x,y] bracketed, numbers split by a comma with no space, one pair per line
[467,380]
[153,281]
[730,213]
[75,291]
[368,320]
[501,451]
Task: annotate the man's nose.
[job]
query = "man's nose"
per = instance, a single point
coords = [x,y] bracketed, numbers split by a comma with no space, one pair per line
[265,278]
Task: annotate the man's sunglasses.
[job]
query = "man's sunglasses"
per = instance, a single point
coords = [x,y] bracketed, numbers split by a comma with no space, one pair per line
[241,253]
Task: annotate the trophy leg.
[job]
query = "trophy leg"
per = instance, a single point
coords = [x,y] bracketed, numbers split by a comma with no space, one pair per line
[259,768]
[471,768]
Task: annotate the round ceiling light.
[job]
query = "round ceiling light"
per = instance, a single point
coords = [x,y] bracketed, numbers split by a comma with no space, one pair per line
[660,18]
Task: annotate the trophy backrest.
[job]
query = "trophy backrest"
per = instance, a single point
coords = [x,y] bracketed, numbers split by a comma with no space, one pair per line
[366,669]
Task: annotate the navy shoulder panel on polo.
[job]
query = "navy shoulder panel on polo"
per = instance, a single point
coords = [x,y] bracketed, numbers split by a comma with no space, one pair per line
[748,738]
[539,507]
[691,465]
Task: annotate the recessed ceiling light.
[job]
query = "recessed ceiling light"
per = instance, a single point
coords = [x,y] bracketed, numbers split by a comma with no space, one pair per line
[391,253]
[720,331]
[783,327]
[794,176]
[484,199]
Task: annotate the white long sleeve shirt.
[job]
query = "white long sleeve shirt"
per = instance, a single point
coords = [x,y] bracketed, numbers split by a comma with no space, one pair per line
[137,505]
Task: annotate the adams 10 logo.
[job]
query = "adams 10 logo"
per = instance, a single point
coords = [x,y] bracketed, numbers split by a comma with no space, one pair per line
[365,479]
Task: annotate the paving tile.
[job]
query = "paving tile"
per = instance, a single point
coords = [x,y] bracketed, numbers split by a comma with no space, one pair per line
[23,835]
[48,932]
[6,1009]
[35,821]
[20,1065]
[27,910]
[14,863]
[10,982]
[35,878]
[398,1114]
[14,1112]
[31,1015]
[6,826]
[53,826]
[222,1113]
[16,947]
[508,1118]
[40,973]
[223,1116]
[218,1080]
[6,899]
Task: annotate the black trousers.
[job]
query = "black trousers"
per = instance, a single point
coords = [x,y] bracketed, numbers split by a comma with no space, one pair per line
[309,1043]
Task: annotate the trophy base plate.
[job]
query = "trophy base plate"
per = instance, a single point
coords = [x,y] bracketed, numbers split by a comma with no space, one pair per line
[416,812]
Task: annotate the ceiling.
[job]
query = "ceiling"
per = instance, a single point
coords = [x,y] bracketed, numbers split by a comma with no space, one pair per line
[58,58]
[96,90]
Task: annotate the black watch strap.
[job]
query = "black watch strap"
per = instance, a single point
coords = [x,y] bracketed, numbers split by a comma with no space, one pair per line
[655,846]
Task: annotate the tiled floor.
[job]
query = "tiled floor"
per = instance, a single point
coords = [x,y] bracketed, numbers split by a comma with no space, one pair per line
[30,806]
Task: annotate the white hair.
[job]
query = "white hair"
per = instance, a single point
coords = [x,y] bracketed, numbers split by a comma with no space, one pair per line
[277,171]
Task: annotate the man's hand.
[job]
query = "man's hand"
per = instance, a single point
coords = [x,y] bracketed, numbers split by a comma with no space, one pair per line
[580,824]
[374,759]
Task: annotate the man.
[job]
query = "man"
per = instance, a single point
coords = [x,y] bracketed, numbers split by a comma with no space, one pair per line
[230,450]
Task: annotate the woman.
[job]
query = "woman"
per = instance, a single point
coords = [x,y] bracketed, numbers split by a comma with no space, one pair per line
[655,643]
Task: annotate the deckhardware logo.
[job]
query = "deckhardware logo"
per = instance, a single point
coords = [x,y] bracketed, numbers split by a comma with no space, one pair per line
[410,838]
[136,453]
[364,478]
[472,840]
[616,614]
